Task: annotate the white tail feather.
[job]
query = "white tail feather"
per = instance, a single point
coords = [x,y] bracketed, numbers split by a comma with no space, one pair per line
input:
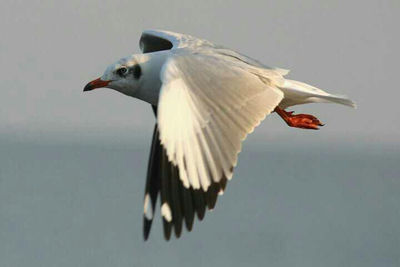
[343,100]
[296,91]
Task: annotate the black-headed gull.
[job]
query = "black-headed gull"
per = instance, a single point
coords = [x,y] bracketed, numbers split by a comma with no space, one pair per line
[206,99]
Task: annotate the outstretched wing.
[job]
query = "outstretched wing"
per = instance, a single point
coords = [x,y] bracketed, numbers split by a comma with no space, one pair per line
[207,106]
[158,40]
[178,204]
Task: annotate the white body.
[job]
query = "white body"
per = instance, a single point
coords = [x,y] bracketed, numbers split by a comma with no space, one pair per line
[295,92]
[209,98]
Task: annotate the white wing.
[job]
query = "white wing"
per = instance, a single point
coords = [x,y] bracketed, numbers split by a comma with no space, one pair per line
[207,106]
[157,40]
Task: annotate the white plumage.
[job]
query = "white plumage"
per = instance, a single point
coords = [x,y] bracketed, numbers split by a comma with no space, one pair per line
[206,108]
[207,98]
[211,89]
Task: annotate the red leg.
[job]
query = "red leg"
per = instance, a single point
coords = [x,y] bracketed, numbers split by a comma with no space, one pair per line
[304,121]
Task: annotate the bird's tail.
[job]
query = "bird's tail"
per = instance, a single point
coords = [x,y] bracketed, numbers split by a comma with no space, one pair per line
[314,94]
[343,100]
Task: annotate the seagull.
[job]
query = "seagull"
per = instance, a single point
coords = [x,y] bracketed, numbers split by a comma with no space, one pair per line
[206,99]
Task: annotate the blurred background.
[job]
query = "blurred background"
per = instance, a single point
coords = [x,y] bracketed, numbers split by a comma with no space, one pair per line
[73,165]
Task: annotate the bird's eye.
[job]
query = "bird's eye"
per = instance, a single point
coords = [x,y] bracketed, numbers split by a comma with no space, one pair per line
[122,71]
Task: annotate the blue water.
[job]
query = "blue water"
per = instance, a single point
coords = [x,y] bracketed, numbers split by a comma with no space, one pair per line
[81,205]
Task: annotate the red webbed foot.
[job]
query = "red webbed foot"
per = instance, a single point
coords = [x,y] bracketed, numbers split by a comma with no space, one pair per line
[303,121]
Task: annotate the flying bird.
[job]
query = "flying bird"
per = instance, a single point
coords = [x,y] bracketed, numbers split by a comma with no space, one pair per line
[206,99]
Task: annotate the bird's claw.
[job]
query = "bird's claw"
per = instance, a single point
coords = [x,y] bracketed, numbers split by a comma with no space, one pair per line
[303,121]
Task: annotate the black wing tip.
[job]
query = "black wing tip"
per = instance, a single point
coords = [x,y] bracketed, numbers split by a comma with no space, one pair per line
[178,232]
[146,228]
[189,224]
[200,201]
[178,227]
[167,230]
[212,195]
[152,184]
[185,203]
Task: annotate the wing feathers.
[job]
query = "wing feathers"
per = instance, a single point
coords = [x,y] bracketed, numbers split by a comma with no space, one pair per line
[186,203]
[199,203]
[175,197]
[178,203]
[212,106]
[206,109]
[152,184]
[166,196]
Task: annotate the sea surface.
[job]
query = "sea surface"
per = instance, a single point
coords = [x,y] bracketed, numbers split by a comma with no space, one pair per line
[81,205]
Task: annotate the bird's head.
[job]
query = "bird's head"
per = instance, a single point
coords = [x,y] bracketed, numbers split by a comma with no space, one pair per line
[123,76]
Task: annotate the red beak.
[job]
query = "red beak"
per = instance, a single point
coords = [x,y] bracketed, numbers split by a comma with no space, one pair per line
[98,83]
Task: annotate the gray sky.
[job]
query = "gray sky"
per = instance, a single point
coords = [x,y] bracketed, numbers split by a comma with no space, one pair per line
[79,204]
[50,49]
